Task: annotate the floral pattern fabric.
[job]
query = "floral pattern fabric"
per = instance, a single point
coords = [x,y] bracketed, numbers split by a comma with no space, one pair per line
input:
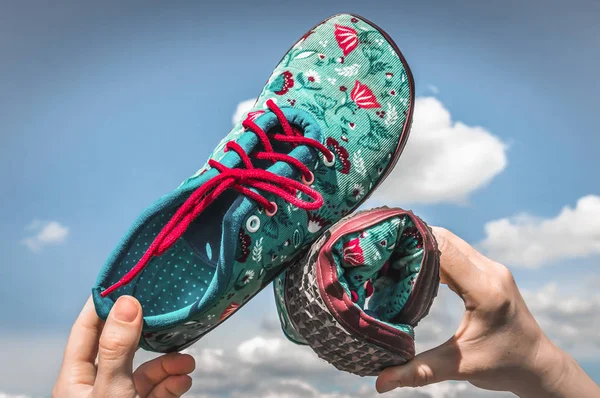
[367,259]
[349,78]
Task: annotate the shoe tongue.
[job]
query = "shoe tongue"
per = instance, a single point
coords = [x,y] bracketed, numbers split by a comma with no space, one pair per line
[383,259]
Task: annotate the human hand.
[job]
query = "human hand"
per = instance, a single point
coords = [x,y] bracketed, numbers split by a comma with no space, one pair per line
[498,345]
[115,344]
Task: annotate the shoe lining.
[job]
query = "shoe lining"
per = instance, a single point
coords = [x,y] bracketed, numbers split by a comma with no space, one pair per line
[182,275]
[388,256]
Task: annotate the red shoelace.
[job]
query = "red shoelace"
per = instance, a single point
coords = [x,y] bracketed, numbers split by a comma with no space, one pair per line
[242,180]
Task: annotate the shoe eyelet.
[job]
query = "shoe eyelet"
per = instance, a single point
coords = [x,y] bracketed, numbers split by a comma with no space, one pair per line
[327,162]
[271,213]
[253,223]
[310,180]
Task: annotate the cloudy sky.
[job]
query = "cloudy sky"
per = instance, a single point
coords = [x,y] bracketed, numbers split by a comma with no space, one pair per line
[106,106]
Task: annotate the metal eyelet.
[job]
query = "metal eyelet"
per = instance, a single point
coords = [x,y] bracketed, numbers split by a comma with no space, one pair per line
[310,180]
[253,223]
[271,213]
[327,162]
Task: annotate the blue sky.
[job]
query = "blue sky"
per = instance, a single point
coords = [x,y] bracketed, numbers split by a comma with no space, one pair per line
[106,106]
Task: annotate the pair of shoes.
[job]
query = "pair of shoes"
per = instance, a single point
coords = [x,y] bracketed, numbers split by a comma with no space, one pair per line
[328,127]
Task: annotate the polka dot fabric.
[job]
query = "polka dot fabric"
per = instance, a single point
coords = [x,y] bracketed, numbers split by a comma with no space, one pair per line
[170,282]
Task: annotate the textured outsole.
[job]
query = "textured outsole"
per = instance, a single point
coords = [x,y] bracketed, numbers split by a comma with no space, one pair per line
[312,319]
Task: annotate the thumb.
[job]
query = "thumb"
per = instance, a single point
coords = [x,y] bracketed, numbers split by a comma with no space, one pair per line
[118,344]
[456,268]
[438,364]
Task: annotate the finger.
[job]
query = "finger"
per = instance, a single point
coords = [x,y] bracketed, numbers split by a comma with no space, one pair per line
[118,344]
[438,364]
[82,346]
[172,387]
[472,254]
[456,270]
[480,261]
[150,374]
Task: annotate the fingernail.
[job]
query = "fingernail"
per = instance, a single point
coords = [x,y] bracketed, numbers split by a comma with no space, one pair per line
[126,309]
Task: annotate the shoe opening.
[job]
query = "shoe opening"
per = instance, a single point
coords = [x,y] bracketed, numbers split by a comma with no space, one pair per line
[182,275]
[379,265]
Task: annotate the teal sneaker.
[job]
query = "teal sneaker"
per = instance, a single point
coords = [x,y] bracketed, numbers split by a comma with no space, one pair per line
[326,130]
[361,289]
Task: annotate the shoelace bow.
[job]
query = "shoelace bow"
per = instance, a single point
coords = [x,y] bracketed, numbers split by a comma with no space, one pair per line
[242,180]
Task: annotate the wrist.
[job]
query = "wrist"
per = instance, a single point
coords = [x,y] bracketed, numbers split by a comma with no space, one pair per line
[547,372]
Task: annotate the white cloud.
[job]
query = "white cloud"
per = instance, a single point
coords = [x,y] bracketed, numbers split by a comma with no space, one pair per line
[4,395]
[572,321]
[444,160]
[445,390]
[44,233]
[528,241]
[284,370]
[242,108]
[30,362]
[260,350]
[210,360]
[268,365]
